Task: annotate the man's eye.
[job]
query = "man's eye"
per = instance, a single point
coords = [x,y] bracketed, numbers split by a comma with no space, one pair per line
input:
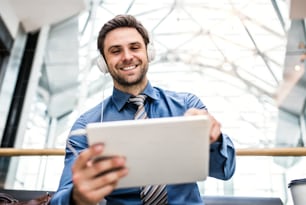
[135,48]
[115,51]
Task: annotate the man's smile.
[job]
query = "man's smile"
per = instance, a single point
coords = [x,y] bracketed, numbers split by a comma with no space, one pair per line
[127,68]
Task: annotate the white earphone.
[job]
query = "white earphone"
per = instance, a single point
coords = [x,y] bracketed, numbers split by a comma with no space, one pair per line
[103,66]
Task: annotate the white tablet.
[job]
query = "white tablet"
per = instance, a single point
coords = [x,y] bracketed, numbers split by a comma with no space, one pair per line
[158,151]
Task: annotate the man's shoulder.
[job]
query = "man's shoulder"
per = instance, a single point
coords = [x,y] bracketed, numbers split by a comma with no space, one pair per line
[93,114]
[174,93]
[184,98]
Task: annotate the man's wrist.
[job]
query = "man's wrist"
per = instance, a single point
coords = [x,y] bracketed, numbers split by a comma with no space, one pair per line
[220,138]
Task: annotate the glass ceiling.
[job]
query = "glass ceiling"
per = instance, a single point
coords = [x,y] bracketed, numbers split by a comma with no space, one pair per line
[228,52]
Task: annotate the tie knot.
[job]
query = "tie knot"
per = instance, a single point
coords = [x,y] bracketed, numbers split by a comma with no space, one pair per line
[138,100]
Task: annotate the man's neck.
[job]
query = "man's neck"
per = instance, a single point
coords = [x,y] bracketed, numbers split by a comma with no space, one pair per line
[133,89]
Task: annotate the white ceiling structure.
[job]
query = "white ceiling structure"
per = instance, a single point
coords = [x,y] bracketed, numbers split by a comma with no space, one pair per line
[228,36]
[33,14]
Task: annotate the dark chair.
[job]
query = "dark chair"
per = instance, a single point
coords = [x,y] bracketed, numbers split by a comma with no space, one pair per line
[24,195]
[237,200]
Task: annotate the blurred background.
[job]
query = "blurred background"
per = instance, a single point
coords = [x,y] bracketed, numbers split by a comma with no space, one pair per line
[244,59]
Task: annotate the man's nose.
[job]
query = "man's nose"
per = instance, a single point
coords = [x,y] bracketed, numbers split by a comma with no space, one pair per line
[127,54]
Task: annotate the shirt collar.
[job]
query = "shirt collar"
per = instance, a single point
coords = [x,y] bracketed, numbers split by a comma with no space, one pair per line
[120,98]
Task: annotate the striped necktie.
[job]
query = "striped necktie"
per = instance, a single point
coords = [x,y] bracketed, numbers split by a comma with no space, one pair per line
[150,194]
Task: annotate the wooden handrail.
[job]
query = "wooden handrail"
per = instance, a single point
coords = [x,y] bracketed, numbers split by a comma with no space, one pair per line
[10,152]
[284,151]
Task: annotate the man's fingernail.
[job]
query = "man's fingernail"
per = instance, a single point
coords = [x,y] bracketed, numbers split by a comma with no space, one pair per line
[98,147]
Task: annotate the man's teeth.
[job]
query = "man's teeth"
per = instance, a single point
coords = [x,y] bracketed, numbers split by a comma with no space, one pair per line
[129,68]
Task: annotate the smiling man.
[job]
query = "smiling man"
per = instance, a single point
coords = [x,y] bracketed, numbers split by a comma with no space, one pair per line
[123,43]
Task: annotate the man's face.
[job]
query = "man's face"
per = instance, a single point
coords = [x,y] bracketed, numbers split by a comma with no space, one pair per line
[126,57]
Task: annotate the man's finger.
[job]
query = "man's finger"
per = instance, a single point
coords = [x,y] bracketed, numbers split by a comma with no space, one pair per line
[87,155]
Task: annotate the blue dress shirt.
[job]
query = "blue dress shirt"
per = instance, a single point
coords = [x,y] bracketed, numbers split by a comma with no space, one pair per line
[159,103]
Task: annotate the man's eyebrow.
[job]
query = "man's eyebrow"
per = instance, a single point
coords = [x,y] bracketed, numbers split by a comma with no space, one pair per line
[135,43]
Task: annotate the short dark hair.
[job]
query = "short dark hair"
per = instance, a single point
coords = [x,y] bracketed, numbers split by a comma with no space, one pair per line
[123,20]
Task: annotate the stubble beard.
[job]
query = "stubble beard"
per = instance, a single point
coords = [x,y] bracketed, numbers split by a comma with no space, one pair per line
[124,82]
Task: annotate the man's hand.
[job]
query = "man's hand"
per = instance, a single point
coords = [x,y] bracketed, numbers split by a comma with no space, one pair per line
[95,179]
[215,130]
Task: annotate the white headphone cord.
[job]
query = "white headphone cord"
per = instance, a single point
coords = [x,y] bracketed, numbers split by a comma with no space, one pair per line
[102,105]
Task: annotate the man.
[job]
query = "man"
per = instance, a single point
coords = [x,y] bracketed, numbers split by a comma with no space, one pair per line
[123,43]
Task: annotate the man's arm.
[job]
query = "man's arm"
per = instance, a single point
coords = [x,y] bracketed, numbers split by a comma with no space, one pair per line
[222,161]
